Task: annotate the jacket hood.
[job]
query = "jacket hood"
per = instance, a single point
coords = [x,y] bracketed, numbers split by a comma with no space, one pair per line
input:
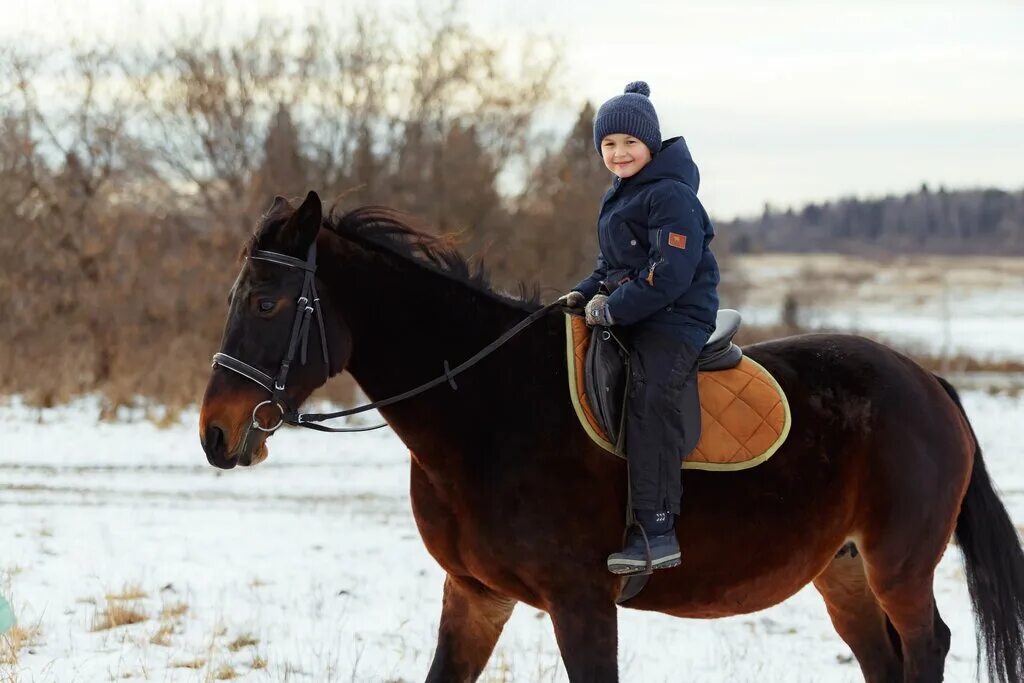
[673,162]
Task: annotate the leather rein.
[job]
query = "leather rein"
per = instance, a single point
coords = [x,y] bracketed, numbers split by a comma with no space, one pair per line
[307,307]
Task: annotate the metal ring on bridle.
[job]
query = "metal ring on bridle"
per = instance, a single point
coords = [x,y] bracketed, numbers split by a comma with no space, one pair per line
[256,422]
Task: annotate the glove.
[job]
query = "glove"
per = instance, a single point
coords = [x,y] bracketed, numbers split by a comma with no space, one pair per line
[597,311]
[573,299]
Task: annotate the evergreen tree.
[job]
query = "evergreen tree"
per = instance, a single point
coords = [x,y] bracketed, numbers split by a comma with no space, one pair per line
[558,210]
[283,170]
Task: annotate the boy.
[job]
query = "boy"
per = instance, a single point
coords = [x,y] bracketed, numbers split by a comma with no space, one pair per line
[654,258]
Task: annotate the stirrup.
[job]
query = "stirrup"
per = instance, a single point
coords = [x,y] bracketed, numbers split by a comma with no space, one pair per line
[648,568]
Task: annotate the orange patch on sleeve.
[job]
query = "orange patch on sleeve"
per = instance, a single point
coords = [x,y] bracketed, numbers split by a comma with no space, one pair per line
[676,240]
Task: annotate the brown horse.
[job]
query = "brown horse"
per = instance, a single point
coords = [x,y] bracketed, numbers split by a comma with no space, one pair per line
[517,504]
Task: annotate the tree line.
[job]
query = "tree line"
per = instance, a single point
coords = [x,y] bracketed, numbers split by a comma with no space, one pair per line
[978,221]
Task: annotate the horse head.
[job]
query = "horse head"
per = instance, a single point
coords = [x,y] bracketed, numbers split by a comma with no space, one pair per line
[281,341]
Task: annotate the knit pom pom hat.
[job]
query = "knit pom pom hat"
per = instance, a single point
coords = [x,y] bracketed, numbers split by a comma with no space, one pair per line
[631,113]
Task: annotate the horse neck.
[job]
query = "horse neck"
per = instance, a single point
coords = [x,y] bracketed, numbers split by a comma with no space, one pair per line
[406,321]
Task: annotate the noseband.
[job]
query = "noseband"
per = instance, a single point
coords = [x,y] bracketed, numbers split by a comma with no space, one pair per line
[307,306]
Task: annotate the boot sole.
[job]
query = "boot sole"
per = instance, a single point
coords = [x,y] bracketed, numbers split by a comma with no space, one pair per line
[637,566]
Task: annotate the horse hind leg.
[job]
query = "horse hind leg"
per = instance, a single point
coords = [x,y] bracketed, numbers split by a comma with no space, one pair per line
[900,570]
[909,603]
[472,618]
[859,619]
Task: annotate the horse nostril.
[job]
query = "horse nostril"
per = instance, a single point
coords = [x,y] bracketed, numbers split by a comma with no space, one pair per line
[215,442]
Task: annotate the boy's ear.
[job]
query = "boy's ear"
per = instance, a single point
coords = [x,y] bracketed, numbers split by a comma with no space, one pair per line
[301,229]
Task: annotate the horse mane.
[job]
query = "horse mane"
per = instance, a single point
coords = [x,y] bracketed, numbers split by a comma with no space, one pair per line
[379,227]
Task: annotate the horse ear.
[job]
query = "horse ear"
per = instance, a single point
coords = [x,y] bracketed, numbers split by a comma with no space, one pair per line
[301,229]
[280,204]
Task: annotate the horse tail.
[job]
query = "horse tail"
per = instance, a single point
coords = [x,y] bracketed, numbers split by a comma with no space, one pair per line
[994,565]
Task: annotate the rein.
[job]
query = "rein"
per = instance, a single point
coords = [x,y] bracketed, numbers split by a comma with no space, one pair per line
[309,419]
[308,306]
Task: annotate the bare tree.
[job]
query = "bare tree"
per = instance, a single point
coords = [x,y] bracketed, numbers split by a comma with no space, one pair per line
[128,181]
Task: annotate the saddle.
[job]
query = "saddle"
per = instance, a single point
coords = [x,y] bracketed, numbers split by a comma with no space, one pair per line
[736,415]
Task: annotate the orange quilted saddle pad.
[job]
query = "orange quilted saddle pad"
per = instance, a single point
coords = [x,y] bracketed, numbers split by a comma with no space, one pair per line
[744,413]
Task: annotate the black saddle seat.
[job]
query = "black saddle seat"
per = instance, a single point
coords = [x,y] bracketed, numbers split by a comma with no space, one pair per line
[720,353]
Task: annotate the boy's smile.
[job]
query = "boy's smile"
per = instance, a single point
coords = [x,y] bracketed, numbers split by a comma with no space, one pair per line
[624,155]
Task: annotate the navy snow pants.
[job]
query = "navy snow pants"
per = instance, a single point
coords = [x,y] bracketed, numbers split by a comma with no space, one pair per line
[663,369]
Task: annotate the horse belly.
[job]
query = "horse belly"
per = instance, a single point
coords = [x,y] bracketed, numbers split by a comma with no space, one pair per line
[695,596]
[705,590]
[746,548]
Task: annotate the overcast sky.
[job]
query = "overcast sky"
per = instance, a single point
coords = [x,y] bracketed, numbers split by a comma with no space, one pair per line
[783,101]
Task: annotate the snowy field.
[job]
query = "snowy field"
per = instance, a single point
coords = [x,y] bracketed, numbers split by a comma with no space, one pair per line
[309,567]
[938,304]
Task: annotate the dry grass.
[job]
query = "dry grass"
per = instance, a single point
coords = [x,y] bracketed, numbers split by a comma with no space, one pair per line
[170,615]
[197,663]
[173,611]
[16,639]
[167,418]
[962,363]
[258,662]
[754,334]
[225,673]
[162,636]
[243,640]
[117,614]
[130,591]
[501,670]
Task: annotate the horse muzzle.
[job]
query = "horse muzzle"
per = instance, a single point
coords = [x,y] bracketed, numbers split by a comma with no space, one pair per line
[251,449]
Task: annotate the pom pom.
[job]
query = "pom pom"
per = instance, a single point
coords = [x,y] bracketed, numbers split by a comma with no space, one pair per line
[639,87]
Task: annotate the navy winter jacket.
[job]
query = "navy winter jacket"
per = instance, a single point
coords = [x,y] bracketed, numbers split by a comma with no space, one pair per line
[654,249]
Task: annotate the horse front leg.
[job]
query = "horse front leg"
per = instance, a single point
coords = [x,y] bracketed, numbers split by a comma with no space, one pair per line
[587,633]
[472,618]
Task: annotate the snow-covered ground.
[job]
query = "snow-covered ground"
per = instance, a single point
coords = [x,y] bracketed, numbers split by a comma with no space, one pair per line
[939,304]
[309,566]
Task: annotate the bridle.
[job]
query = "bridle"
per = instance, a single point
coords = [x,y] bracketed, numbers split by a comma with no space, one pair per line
[307,307]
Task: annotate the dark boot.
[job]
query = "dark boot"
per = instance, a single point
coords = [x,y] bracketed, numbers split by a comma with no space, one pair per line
[661,538]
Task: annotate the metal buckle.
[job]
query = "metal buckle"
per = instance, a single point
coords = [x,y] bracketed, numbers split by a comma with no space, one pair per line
[256,422]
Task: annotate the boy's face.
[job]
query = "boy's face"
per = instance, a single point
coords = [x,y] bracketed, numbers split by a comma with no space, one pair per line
[624,155]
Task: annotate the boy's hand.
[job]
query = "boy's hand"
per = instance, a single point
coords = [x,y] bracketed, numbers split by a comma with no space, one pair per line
[573,299]
[597,311]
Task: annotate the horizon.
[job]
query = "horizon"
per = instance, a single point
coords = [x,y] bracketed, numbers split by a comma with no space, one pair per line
[798,103]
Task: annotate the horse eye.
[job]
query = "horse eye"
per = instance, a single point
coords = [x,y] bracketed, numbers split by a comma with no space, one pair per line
[266,305]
